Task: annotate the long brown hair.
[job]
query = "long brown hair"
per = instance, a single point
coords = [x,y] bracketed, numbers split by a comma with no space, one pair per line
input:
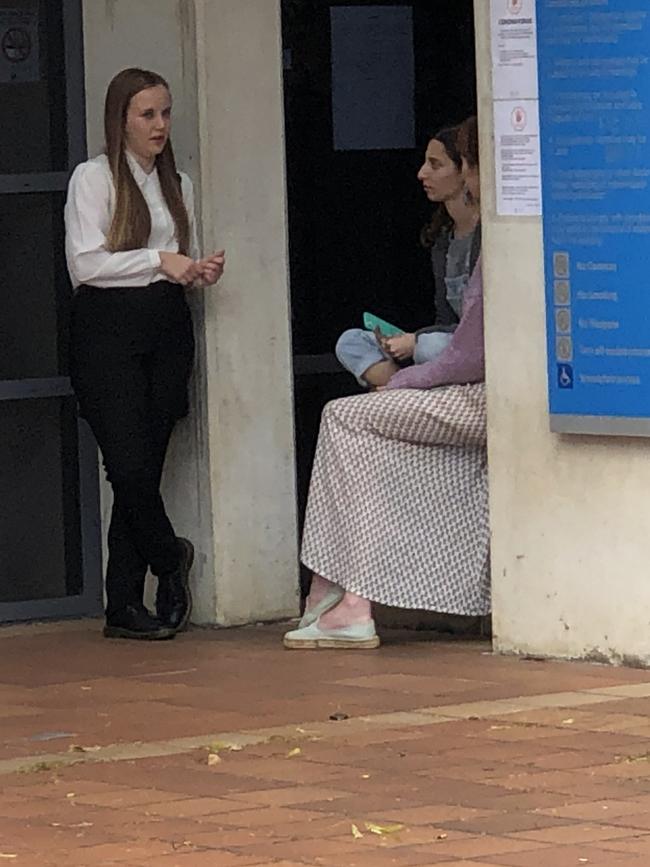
[131,225]
[468,141]
[448,138]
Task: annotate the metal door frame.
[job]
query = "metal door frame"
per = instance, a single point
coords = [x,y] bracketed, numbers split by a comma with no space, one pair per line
[89,602]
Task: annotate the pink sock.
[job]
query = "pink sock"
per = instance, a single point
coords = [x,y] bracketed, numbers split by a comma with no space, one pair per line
[320,587]
[352,609]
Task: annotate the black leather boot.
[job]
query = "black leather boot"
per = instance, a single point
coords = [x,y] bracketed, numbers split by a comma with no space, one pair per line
[137,623]
[174,598]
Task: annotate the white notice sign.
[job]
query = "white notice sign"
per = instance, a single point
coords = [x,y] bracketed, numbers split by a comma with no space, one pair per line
[518,168]
[514,49]
[19,54]
[515,92]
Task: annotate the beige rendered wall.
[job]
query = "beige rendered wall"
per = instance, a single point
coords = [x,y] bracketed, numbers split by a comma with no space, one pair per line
[249,382]
[229,481]
[570,518]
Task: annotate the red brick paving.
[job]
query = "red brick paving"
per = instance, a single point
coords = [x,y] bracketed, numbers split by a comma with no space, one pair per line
[543,787]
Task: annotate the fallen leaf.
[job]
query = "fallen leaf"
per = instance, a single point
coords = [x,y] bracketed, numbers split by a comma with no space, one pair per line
[441,837]
[296,751]
[53,736]
[214,759]
[643,757]
[71,795]
[235,748]
[568,722]
[8,855]
[382,830]
[365,776]
[38,767]
[77,748]
[356,833]
[178,846]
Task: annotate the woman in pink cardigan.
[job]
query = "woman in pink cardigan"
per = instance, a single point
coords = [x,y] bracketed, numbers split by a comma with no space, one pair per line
[397,510]
[463,360]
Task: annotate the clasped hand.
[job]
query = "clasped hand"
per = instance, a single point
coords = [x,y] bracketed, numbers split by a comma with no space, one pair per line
[189,272]
[401,347]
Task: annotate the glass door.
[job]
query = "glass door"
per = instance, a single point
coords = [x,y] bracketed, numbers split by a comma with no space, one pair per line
[49,505]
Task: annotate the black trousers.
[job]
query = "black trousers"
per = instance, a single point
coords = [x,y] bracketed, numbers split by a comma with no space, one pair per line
[132,351]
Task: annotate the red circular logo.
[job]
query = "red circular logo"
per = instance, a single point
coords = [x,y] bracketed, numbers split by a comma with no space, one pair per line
[519,119]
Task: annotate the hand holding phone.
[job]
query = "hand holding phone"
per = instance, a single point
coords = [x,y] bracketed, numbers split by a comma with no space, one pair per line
[401,347]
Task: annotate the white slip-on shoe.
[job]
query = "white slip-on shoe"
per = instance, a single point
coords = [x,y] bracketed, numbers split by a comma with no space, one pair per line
[329,601]
[359,636]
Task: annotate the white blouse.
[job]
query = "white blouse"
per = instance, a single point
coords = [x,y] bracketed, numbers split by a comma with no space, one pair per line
[88,216]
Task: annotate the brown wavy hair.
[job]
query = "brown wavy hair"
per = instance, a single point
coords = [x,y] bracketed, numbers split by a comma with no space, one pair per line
[468,141]
[131,225]
[440,221]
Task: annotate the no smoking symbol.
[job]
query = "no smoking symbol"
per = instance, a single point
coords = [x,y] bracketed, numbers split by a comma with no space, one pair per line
[16,45]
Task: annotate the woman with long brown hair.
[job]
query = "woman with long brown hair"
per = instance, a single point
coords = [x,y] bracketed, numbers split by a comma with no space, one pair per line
[131,248]
[397,511]
[453,236]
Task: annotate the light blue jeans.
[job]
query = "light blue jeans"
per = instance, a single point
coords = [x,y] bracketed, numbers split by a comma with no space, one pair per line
[357,350]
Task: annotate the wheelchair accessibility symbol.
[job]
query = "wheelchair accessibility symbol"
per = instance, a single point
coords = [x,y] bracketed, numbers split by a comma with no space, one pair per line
[565,376]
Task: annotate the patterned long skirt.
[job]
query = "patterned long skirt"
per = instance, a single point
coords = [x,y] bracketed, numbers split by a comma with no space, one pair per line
[398,506]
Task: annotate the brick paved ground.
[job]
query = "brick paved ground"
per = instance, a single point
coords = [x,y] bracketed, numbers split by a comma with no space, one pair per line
[218,749]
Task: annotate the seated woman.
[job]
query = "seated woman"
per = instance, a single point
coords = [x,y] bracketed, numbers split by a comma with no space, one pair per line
[454,237]
[397,511]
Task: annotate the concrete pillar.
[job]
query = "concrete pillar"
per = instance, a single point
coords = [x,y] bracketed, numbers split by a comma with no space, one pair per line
[229,480]
[247,325]
[569,514]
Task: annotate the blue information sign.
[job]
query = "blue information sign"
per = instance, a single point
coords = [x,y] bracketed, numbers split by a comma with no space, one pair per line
[594,77]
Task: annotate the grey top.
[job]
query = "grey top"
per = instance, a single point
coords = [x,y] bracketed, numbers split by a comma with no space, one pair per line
[446,318]
[458,270]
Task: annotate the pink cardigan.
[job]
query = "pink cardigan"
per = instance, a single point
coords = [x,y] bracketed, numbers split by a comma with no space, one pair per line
[463,360]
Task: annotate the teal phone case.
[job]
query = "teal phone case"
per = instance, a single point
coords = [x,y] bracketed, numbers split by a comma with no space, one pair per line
[371,322]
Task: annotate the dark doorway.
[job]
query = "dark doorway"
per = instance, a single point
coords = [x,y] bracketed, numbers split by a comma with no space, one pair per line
[355,214]
[49,504]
